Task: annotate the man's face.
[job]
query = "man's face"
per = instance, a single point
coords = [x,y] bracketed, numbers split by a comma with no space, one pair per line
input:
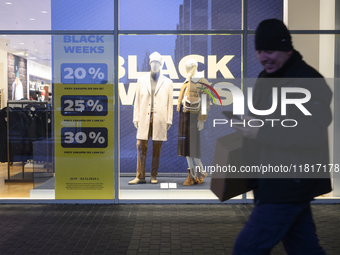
[273,60]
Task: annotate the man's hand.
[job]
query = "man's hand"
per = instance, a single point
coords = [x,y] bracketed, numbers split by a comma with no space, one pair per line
[136,124]
[200,125]
[247,131]
[168,126]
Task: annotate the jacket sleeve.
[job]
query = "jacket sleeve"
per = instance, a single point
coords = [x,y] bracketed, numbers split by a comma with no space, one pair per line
[136,106]
[180,97]
[310,131]
[170,104]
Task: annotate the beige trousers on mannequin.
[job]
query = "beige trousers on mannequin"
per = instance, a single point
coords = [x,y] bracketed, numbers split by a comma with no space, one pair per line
[142,147]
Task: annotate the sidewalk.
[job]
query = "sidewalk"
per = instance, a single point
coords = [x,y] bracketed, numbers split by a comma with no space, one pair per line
[139,229]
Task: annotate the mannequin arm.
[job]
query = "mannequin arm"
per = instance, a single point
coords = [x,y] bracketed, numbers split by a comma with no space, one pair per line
[168,126]
[136,124]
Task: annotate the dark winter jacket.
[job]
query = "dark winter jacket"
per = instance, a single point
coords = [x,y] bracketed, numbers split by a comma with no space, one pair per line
[307,143]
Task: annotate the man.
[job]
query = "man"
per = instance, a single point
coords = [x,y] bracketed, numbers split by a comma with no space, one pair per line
[282,205]
[152,116]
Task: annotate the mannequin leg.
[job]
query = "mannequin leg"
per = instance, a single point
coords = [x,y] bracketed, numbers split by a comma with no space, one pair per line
[191,167]
[199,168]
[156,155]
[142,147]
[190,179]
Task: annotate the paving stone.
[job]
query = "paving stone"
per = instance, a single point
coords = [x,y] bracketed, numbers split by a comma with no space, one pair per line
[139,229]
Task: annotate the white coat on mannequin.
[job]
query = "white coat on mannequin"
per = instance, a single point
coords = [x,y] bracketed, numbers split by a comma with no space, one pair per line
[163,107]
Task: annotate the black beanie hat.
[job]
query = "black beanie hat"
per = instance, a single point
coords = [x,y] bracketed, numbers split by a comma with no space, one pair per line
[272,34]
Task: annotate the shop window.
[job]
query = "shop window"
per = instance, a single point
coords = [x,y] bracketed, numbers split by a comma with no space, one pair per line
[181,15]
[25,15]
[82,15]
[26,100]
[259,10]
[219,60]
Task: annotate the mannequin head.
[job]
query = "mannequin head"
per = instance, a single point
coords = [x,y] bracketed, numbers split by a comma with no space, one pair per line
[155,66]
[191,67]
[155,62]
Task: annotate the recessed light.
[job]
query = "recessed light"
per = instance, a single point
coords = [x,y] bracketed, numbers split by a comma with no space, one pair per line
[32,19]
[43,11]
[36,50]
[20,53]
[8,3]
[22,43]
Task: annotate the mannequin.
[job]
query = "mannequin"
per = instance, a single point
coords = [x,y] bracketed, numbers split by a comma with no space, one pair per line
[191,122]
[152,116]
[17,89]
[155,67]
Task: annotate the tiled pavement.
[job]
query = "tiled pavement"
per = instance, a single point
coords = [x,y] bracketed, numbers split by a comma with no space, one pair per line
[139,229]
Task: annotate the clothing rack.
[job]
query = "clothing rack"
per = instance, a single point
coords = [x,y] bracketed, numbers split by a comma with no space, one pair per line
[22,104]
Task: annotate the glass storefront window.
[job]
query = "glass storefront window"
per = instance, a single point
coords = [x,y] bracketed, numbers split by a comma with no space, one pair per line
[86,148]
[23,15]
[181,15]
[82,15]
[25,72]
[219,60]
[260,10]
[319,51]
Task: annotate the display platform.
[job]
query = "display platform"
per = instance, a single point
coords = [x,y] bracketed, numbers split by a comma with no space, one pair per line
[45,190]
[166,188]
[161,179]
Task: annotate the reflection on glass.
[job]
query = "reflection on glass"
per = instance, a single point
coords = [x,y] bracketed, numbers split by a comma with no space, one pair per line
[181,15]
[82,14]
[219,61]
[261,10]
[25,15]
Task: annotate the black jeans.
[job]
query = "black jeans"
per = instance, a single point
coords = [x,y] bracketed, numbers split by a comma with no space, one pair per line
[270,223]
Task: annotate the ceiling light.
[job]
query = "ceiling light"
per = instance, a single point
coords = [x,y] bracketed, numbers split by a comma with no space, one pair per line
[20,53]
[22,43]
[36,50]
[32,19]
[43,11]
[8,3]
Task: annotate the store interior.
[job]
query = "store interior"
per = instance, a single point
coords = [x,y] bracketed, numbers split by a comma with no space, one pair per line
[26,61]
